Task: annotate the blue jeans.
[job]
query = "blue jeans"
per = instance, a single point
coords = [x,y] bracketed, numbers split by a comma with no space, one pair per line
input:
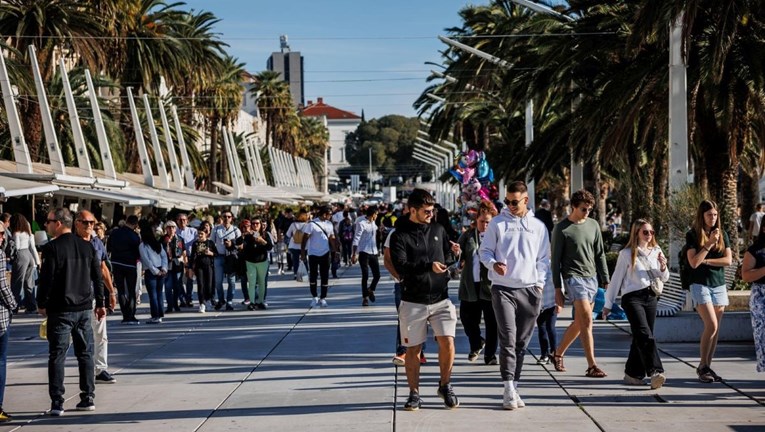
[219,281]
[62,325]
[154,286]
[296,260]
[3,362]
[173,289]
[548,341]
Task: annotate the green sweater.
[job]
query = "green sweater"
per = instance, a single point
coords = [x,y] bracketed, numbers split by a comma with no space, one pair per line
[577,250]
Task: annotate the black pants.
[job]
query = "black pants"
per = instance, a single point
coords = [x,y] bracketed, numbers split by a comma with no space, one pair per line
[366,262]
[640,307]
[546,331]
[347,250]
[319,265]
[470,315]
[125,279]
[205,281]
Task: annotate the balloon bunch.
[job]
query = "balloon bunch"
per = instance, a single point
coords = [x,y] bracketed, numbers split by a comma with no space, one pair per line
[476,179]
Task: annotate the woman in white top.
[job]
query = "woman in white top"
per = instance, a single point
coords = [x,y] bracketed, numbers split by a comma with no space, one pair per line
[366,253]
[25,263]
[295,234]
[639,263]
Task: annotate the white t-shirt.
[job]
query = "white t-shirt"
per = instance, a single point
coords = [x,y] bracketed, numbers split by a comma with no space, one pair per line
[318,243]
[387,239]
[295,226]
[336,219]
[754,223]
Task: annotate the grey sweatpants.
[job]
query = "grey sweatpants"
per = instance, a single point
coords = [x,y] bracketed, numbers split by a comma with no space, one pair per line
[516,310]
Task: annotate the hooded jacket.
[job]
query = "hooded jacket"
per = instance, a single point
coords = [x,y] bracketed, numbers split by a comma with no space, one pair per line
[522,244]
[413,249]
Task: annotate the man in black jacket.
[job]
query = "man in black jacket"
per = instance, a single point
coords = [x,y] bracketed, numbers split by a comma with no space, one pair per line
[123,249]
[419,252]
[65,296]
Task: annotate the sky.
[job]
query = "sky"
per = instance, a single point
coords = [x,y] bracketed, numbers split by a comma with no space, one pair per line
[358,54]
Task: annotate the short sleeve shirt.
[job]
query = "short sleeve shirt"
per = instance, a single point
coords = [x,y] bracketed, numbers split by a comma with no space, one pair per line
[710,276]
[98,245]
[759,259]
[318,243]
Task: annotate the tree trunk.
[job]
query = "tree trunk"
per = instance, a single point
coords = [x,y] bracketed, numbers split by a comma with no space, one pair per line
[600,196]
[661,188]
[31,123]
[729,206]
[132,159]
[750,196]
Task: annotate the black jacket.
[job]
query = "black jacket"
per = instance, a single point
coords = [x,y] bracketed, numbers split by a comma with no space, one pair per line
[252,251]
[414,248]
[69,266]
[123,246]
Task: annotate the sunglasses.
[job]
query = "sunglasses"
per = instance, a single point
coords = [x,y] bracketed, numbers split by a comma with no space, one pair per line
[228,217]
[648,232]
[513,203]
[87,222]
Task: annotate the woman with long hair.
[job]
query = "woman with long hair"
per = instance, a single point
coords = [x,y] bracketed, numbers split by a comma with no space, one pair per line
[709,253]
[256,244]
[639,264]
[155,265]
[753,270]
[25,263]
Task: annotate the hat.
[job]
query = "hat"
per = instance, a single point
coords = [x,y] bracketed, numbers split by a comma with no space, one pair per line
[170,224]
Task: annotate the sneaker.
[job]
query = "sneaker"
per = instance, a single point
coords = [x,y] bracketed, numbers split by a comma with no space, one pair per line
[86,404]
[218,305]
[657,380]
[372,297]
[704,375]
[630,380]
[229,307]
[153,321]
[509,401]
[518,401]
[323,303]
[544,360]
[491,361]
[446,393]
[105,378]
[315,302]
[261,306]
[56,409]
[474,354]
[4,416]
[365,302]
[202,308]
[413,403]
[134,322]
[423,360]
[399,359]
[251,307]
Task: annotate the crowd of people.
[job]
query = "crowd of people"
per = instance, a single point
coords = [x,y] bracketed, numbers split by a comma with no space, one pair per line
[515,269]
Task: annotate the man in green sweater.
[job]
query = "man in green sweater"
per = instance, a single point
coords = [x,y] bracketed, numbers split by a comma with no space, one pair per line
[579,259]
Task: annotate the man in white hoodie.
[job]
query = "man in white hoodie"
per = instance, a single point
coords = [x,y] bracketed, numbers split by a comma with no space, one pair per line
[516,250]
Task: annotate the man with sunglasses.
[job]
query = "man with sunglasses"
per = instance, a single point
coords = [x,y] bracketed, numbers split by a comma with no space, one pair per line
[70,279]
[421,253]
[224,236]
[516,250]
[579,258]
[84,226]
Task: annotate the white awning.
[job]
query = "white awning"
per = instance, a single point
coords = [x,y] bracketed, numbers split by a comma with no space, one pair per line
[115,196]
[13,187]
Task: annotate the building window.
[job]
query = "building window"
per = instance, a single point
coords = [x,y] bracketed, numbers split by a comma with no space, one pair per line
[329,155]
[342,154]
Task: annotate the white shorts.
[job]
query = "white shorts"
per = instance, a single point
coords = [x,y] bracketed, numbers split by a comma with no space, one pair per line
[414,317]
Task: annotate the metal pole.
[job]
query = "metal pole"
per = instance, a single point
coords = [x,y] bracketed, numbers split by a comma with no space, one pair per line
[159,160]
[529,140]
[54,151]
[103,141]
[83,159]
[148,177]
[175,168]
[188,175]
[20,149]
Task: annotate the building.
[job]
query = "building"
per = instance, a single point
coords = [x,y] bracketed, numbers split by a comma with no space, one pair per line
[339,123]
[290,65]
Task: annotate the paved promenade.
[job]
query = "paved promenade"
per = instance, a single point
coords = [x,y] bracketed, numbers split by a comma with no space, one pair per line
[292,368]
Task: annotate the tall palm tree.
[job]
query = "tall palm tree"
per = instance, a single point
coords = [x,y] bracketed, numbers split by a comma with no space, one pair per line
[54,27]
[274,102]
[314,143]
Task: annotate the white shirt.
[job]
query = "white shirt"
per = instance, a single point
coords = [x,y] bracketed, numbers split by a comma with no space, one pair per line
[25,241]
[365,237]
[189,236]
[522,244]
[221,233]
[294,226]
[336,219]
[754,223]
[319,232]
[386,245]
[628,278]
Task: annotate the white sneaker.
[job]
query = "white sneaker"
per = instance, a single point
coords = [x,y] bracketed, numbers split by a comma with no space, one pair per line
[510,400]
[314,302]
[519,401]
[202,308]
[630,380]
[323,303]
[657,380]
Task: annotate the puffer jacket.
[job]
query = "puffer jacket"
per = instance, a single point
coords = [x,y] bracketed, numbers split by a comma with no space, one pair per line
[414,248]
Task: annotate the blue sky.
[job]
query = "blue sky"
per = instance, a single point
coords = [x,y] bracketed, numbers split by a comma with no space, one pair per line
[381,44]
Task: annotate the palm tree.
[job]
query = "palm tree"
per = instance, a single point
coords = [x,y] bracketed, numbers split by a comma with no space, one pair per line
[314,140]
[274,102]
[54,27]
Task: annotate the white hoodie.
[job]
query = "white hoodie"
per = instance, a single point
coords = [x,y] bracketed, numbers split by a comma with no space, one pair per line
[522,244]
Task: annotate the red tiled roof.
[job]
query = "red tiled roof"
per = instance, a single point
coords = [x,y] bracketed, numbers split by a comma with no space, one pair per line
[319,109]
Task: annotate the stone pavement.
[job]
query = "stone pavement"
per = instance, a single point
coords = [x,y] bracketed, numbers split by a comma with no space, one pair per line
[295,368]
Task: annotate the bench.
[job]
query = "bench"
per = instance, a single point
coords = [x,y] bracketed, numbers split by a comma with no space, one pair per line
[674,299]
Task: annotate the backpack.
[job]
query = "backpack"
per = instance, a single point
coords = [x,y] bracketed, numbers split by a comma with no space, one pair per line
[685,268]
[297,236]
